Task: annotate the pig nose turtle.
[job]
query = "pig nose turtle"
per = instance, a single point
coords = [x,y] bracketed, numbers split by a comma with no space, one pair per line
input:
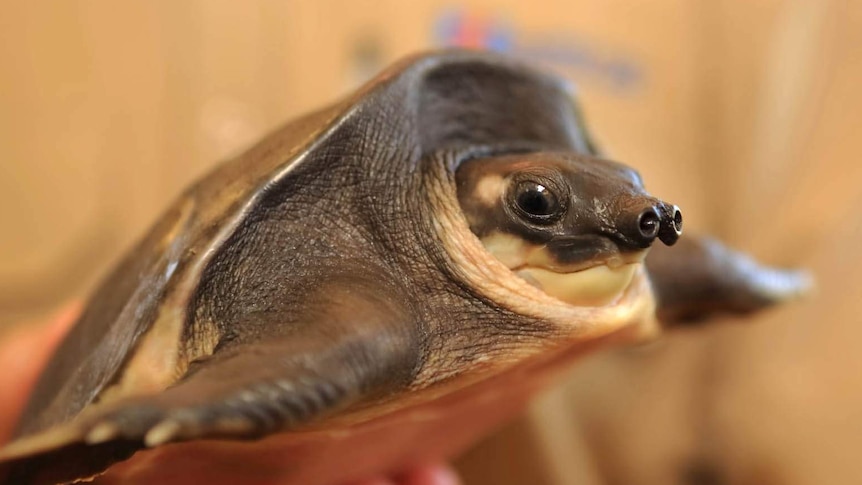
[374,268]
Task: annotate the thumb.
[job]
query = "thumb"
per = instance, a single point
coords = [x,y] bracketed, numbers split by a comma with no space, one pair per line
[24,352]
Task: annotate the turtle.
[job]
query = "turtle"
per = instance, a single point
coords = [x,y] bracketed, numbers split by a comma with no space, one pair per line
[373,285]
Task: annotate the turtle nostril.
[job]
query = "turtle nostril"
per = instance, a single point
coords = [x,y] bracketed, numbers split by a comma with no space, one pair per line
[671,225]
[677,220]
[649,223]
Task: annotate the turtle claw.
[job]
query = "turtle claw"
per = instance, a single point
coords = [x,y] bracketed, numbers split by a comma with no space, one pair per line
[164,432]
[101,433]
[247,412]
[129,422]
[155,426]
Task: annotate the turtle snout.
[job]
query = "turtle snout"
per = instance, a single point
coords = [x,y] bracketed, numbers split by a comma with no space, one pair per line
[651,221]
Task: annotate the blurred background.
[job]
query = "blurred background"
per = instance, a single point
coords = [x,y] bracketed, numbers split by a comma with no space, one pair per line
[746,113]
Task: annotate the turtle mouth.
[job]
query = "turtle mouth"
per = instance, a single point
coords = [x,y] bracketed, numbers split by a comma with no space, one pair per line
[598,285]
[597,277]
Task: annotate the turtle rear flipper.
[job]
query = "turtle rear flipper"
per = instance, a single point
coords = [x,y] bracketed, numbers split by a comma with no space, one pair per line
[700,277]
[243,391]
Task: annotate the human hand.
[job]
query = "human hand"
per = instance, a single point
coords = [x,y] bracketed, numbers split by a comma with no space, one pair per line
[25,350]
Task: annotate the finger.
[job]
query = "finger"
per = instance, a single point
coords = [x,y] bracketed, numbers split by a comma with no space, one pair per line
[23,353]
[427,475]
[439,474]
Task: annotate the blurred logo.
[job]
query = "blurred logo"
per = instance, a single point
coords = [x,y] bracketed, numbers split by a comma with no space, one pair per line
[581,59]
[473,30]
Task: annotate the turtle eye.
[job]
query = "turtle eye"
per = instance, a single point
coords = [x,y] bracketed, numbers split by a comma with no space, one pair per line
[537,202]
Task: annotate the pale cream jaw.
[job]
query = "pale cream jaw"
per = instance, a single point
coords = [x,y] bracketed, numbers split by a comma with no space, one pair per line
[597,285]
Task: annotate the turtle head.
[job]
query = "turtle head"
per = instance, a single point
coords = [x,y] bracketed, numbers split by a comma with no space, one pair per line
[574,226]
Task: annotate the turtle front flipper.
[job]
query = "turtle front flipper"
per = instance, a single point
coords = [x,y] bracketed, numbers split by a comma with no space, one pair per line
[700,277]
[245,390]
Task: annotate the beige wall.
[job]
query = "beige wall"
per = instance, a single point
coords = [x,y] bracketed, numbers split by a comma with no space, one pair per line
[745,113]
